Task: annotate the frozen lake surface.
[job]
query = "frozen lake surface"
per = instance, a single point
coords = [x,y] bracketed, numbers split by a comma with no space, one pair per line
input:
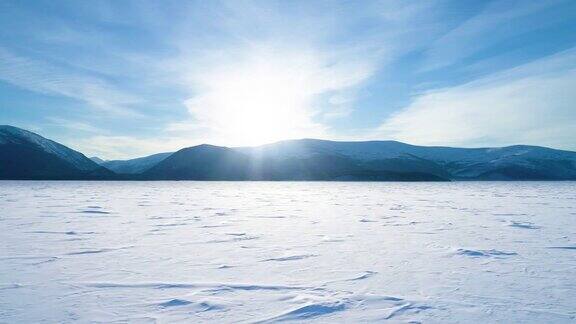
[244,252]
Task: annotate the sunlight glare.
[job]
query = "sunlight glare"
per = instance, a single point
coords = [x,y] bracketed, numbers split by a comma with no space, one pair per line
[263,100]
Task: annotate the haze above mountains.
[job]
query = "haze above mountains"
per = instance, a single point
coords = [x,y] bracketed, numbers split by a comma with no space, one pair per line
[26,155]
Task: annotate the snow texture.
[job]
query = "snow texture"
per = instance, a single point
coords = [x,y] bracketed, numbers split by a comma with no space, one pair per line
[263,252]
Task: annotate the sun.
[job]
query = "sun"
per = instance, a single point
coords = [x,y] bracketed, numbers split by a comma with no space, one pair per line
[262,100]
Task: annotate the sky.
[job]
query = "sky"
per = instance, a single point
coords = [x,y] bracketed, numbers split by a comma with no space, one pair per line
[124,79]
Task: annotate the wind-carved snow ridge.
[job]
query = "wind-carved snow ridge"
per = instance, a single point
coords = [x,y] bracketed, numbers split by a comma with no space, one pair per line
[301,252]
[291,257]
[212,286]
[314,308]
[524,225]
[570,247]
[484,253]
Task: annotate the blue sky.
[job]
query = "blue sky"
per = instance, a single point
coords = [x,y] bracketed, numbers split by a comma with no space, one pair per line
[121,79]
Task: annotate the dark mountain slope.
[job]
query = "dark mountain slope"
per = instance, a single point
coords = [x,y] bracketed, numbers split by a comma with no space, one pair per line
[25,155]
[206,162]
[203,162]
[519,162]
[135,166]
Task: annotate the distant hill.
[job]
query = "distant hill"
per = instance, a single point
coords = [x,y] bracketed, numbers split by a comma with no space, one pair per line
[135,166]
[208,162]
[25,155]
[203,162]
[519,162]
[97,160]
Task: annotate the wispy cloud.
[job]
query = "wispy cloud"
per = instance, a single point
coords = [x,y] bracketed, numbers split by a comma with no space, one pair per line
[45,78]
[73,125]
[490,26]
[127,147]
[533,103]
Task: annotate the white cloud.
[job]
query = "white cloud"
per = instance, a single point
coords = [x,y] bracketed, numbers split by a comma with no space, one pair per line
[49,79]
[490,26]
[126,147]
[73,125]
[530,104]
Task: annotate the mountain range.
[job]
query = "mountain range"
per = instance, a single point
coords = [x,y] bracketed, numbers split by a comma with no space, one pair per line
[26,155]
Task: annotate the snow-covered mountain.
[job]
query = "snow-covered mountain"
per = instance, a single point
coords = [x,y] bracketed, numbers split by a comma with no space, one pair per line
[26,155]
[378,150]
[18,136]
[519,162]
[208,162]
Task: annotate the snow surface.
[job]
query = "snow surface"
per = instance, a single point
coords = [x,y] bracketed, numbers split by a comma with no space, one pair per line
[245,252]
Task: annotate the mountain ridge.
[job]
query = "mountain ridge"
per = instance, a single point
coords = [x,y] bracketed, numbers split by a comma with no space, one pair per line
[136,165]
[303,159]
[28,156]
